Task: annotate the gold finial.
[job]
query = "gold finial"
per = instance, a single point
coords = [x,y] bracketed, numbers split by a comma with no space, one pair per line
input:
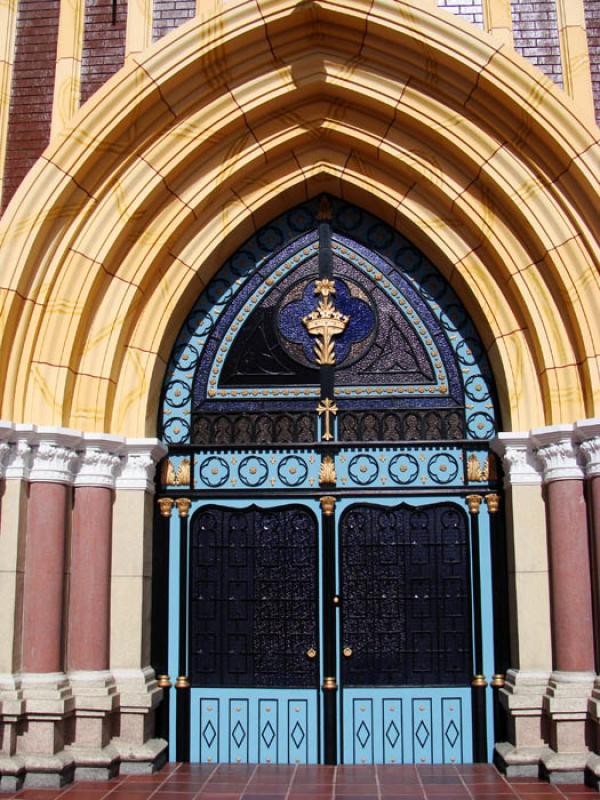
[183,506]
[327,471]
[474,501]
[328,505]
[325,322]
[493,502]
[166,506]
[324,212]
[327,407]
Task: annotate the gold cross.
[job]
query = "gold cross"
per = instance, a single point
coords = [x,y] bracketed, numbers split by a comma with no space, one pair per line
[327,407]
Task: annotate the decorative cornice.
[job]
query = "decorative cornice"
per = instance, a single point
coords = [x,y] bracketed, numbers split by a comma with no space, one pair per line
[139,459]
[521,467]
[556,449]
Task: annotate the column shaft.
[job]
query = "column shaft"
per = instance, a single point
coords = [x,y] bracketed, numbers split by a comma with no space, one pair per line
[572,627]
[44,577]
[89,604]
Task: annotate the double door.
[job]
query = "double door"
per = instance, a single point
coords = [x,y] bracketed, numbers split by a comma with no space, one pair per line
[325,629]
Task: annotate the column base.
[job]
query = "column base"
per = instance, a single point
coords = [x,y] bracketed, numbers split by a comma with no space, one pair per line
[95,764]
[48,771]
[564,767]
[566,706]
[12,773]
[518,762]
[142,760]
[523,699]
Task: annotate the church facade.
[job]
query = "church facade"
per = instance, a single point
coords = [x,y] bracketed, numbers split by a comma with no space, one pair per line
[300,438]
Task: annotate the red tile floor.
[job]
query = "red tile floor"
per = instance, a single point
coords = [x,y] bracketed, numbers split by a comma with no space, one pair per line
[250,782]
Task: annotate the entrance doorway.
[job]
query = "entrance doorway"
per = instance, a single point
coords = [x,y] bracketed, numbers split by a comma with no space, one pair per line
[326,507]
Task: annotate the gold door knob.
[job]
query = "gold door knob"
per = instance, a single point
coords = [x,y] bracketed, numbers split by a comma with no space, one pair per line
[347,651]
[311,653]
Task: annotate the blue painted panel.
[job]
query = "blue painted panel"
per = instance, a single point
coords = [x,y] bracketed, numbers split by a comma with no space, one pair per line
[404,726]
[392,731]
[270,726]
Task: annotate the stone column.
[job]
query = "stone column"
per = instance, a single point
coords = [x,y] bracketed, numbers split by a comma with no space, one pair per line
[529,603]
[130,608]
[570,684]
[588,433]
[48,699]
[92,684]
[14,468]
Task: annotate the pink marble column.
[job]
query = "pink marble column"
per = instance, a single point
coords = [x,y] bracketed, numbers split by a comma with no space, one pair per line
[571,589]
[89,606]
[43,589]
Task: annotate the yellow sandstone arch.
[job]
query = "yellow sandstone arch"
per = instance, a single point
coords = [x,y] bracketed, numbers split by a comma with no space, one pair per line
[252,107]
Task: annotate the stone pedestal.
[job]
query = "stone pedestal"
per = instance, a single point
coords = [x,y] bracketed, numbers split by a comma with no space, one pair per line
[41,742]
[139,752]
[12,706]
[523,699]
[95,699]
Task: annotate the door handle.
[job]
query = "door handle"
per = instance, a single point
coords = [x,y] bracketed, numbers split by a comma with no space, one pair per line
[311,653]
[347,651]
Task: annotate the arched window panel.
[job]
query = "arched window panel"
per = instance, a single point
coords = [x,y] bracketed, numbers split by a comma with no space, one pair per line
[407,361]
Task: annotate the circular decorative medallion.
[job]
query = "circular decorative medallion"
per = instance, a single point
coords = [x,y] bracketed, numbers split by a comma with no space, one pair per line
[363,469]
[176,430]
[253,471]
[476,389]
[404,469]
[292,471]
[481,425]
[214,471]
[177,394]
[443,468]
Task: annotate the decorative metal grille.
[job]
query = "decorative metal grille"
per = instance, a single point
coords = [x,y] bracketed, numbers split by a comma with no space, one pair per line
[406,596]
[253,597]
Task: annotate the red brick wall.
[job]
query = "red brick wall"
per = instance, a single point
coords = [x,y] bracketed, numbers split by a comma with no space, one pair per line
[103,43]
[469,10]
[592,21]
[169,14]
[535,29]
[30,110]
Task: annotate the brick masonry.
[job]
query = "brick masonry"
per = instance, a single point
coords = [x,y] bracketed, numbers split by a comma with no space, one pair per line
[469,10]
[32,90]
[592,20]
[535,30]
[169,14]
[103,43]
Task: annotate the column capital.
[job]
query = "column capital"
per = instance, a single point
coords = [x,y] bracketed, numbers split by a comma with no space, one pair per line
[139,459]
[521,466]
[555,447]
[54,455]
[99,460]
[587,432]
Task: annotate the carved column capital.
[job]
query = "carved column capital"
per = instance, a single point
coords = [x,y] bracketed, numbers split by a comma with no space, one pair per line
[99,462]
[54,455]
[557,451]
[587,432]
[138,466]
[521,466]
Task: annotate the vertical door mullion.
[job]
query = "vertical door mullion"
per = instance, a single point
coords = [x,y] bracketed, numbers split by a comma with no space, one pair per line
[329,685]
[478,684]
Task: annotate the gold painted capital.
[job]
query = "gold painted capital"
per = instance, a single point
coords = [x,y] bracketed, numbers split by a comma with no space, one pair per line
[493,502]
[164,681]
[182,682]
[328,505]
[166,506]
[329,684]
[479,680]
[497,681]
[474,501]
[183,506]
